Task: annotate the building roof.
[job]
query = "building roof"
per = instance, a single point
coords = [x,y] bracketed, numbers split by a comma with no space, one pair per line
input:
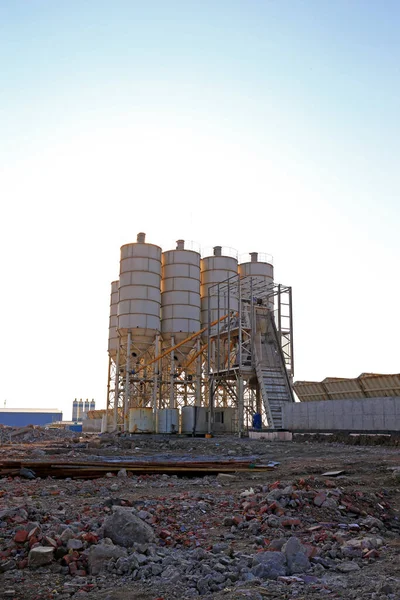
[31,410]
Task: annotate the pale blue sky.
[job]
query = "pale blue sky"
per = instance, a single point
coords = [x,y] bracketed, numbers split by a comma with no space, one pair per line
[263,125]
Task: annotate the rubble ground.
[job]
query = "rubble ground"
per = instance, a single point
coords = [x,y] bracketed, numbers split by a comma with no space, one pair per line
[289,533]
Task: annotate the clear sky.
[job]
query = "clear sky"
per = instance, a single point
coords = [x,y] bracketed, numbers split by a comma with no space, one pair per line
[267,125]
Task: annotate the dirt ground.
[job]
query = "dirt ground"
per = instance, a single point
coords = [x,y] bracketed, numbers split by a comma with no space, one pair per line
[348,525]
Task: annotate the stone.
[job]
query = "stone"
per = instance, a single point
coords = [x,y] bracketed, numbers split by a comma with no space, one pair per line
[319,499]
[296,556]
[101,554]
[122,473]
[269,565]
[330,503]
[27,473]
[347,567]
[125,528]
[39,556]
[66,535]
[74,544]
[21,536]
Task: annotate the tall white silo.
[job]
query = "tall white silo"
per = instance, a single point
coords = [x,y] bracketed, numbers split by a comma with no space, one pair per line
[261,269]
[140,293]
[75,410]
[92,404]
[113,322]
[86,408]
[215,269]
[180,296]
[80,410]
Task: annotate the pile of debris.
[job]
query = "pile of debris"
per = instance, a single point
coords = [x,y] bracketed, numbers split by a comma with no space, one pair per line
[216,539]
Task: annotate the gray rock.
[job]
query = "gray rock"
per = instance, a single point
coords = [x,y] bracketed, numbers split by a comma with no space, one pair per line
[122,473]
[124,528]
[42,555]
[74,544]
[101,554]
[8,565]
[296,556]
[330,503]
[67,535]
[269,565]
[347,567]
[27,473]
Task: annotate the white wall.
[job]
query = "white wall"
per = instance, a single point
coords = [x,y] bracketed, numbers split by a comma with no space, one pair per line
[365,414]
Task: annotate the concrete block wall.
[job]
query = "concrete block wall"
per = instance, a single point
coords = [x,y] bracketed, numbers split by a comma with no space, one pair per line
[364,414]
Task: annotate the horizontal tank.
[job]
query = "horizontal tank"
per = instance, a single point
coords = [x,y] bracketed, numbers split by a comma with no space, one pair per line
[261,269]
[216,269]
[141,420]
[194,420]
[168,420]
[140,292]
[180,295]
[113,321]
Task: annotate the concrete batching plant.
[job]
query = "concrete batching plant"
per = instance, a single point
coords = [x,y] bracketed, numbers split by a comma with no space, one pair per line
[210,337]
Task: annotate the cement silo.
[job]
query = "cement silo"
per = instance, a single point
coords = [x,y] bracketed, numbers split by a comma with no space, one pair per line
[92,404]
[80,410]
[180,296]
[261,270]
[113,322]
[215,269]
[140,293]
[86,408]
[75,410]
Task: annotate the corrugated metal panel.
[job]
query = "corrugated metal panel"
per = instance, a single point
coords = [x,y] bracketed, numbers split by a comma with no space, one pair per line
[367,385]
[380,385]
[339,389]
[309,391]
[20,419]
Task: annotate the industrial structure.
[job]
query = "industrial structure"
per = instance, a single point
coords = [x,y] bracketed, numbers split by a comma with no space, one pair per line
[198,342]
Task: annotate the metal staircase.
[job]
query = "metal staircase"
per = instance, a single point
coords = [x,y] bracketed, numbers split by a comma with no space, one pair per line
[272,376]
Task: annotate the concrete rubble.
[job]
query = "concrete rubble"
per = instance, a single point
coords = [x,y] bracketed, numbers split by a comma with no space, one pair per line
[282,534]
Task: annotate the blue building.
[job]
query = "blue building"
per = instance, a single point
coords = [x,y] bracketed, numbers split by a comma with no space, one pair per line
[21,417]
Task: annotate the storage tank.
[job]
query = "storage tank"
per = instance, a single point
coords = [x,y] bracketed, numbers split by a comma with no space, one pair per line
[113,321]
[261,269]
[140,292]
[86,408]
[80,410]
[194,420]
[215,269]
[168,420]
[141,420]
[75,410]
[92,404]
[225,419]
[180,296]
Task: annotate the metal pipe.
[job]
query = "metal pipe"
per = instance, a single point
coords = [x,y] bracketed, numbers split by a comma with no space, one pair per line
[229,325]
[172,378]
[155,378]
[199,352]
[291,332]
[127,376]
[218,329]
[116,388]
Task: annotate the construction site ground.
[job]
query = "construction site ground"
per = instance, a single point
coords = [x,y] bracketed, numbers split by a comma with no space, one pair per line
[291,532]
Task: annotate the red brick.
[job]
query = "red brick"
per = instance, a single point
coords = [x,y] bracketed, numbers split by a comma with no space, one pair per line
[21,536]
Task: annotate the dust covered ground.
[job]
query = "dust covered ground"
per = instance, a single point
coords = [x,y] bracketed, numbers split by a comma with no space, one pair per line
[287,533]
